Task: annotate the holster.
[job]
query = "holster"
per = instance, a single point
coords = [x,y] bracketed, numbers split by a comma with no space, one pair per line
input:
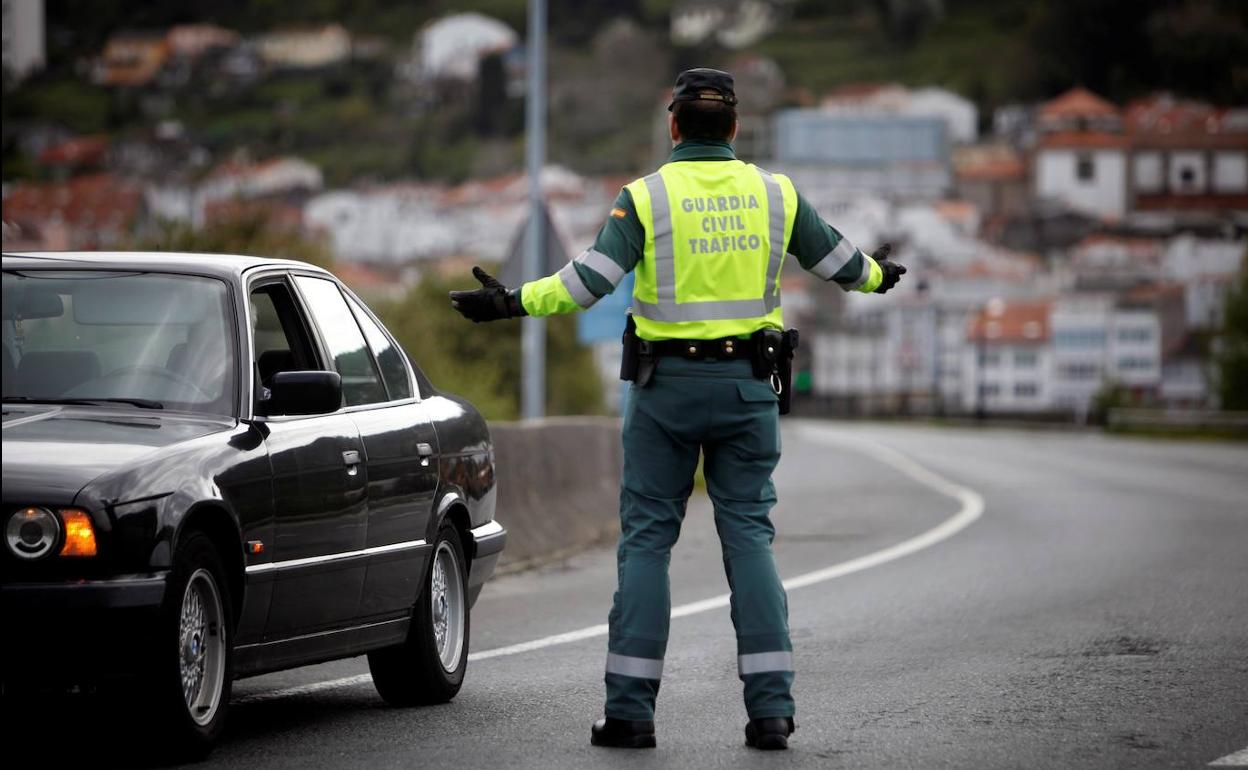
[773,361]
[784,370]
[636,362]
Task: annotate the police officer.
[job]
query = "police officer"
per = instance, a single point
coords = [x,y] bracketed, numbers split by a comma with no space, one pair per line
[707,235]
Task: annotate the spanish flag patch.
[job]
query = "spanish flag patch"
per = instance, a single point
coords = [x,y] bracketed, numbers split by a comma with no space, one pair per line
[619,213]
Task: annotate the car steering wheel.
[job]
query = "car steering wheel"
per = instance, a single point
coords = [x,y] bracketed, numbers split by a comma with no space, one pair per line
[159,371]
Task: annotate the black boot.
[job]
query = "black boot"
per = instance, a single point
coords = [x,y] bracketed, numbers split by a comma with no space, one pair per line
[769,733]
[622,734]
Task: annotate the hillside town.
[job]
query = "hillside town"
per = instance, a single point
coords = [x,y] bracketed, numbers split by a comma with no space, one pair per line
[1064,254]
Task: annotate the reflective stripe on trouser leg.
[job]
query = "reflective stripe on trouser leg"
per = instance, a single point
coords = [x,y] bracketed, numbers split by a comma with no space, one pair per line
[764,651]
[638,637]
[657,479]
[738,471]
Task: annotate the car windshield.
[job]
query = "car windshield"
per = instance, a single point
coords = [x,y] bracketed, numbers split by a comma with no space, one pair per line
[148,340]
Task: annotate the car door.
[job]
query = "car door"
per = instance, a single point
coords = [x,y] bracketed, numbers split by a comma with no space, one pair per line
[402,455]
[319,481]
[399,451]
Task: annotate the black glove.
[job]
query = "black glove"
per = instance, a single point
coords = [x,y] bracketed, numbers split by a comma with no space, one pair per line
[489,303]
[892,270]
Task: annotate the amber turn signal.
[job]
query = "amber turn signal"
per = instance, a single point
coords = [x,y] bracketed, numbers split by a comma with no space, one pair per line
[79,534]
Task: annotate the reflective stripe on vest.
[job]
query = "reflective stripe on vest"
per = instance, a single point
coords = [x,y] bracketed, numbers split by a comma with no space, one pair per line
[667,307]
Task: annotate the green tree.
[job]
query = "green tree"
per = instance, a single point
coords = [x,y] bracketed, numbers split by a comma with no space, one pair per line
[1232,356]
[481,362]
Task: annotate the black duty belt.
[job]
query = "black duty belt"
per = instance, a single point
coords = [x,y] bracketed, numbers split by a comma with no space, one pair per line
[722,349]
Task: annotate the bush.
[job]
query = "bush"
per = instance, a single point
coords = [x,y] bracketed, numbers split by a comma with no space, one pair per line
[481,362]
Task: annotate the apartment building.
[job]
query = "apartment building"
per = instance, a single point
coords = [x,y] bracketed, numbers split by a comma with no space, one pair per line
[1008,362]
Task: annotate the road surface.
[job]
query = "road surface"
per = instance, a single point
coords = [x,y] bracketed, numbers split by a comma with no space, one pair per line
[1016,599]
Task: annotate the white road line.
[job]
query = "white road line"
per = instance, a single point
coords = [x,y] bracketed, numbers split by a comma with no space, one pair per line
[972,507]
[1238,759]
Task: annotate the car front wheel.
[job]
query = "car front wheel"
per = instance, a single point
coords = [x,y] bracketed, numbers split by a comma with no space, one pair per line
[189,679]
[428,667]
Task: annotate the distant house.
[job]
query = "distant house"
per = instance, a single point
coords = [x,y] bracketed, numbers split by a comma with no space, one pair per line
[86,212]
[1161,154]
[960,115]
[1008,363]
[81,152]
[1122,337]
[267,177]
[1187,155]
[191,41]
[1107,260]
[24,38]
[993,177]
[730,23]
[310,48]
[131,59]
[282,176]
[904,156]
[1207,268]
[451,47]
[1081,156]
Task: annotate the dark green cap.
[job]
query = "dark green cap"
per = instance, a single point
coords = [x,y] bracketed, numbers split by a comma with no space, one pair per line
[703,84]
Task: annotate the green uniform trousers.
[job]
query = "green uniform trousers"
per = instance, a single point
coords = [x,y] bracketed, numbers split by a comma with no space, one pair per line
[718,408]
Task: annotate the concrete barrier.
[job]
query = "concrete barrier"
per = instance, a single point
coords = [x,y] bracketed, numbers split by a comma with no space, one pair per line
[558,486]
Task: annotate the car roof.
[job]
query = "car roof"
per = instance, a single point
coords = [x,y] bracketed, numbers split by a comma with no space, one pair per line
[225,266]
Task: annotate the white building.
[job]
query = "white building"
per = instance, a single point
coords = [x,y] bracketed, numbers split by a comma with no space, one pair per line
[1130,339]
[1207,268]
[305,48]
[1187,155]
[1086,172]
[900,156]
[1081,156]
[1008,362]
[1158,157]
[452,47]
[24,37]
[959,114]
[1080,333]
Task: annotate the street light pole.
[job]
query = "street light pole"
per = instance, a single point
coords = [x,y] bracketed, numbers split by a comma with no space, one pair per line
[533,330]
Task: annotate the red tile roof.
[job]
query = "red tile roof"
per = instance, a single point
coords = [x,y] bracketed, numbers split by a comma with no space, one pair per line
[1011,323]
[95,201]
[988,163]
[1078,102]
[79,151]
[1084,139]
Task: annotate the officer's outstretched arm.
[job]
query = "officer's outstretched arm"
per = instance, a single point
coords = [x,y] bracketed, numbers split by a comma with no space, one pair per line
[824,251]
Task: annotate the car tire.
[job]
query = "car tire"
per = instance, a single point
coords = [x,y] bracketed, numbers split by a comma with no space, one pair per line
[186,687]
[429,666]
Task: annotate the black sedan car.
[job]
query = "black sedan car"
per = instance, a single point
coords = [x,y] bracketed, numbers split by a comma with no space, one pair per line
[220,466]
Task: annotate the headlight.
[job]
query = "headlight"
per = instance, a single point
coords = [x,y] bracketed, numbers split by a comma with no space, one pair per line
[32,533]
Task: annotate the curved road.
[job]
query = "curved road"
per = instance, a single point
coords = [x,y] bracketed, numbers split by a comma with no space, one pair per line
[1094,615]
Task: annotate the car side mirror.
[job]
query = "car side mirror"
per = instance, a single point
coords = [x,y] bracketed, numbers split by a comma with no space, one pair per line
[309,392]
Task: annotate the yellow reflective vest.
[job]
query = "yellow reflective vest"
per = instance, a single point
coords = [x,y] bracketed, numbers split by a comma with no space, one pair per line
[716,233]
[715,244]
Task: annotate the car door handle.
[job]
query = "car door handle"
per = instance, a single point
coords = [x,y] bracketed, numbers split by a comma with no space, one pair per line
[425,451]
[351,458]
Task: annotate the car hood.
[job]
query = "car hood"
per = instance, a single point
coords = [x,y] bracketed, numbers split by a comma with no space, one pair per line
[52,452]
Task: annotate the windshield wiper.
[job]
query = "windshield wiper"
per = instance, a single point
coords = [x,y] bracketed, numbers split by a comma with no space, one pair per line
[142,403]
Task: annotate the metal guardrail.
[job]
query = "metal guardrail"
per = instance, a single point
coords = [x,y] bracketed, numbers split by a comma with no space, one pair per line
[1178,419]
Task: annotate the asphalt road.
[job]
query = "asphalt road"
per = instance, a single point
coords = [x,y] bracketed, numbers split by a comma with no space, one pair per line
[1056,600]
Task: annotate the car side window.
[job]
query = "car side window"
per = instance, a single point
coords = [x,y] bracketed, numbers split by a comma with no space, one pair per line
[389,358]
[279,337]
[361,383]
